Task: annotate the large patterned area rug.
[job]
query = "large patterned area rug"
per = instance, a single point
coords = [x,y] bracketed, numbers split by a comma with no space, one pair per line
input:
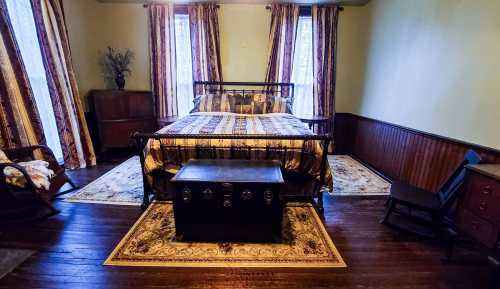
[123,184]
[151,242]
[351,178]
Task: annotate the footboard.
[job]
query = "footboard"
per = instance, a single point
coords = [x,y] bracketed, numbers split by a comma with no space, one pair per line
[294,153]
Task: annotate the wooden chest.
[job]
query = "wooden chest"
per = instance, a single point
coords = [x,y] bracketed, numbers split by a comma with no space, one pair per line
[228,200]
[479,209]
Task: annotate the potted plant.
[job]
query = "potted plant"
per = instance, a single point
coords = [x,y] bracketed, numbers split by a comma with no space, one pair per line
[115,64]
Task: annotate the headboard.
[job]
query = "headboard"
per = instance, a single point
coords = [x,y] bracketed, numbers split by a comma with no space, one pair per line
[281,89]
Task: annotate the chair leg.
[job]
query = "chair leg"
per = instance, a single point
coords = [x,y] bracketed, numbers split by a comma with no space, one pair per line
[52,211]
[71,183]
[452,235]
[390,209]
[495,275]
[387,201]
[436,224]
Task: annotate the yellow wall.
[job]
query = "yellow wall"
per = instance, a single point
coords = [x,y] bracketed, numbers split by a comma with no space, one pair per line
[426,64]
[244,32]
[244,36]
[92,26]
[434,66]
[351,57]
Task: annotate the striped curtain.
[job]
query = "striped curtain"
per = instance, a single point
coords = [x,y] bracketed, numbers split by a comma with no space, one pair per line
[205,42]
[75,140]
[325,19]
[20,123]
[284,22]
[162,57]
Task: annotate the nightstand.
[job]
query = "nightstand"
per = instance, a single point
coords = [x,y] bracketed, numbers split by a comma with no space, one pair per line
[321,122]
[163,122]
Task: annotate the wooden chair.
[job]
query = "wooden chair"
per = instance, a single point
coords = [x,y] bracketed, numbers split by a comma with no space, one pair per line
[18,203]
[434,204]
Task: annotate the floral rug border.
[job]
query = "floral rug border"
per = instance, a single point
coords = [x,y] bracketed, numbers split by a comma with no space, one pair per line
[227,263]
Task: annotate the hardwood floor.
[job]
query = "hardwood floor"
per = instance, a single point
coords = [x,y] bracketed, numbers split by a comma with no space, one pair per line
[73,245]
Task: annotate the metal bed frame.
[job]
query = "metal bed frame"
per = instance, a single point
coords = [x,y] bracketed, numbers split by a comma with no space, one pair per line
[281,89]
[238,152]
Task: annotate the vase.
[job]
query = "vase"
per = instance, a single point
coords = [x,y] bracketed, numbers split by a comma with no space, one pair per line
[120,81]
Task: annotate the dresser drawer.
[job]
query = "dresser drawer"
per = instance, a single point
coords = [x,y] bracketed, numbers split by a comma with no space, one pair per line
[483,197]
[480,229]
[118,133]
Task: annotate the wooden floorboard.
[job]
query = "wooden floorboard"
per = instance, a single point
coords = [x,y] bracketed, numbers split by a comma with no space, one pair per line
[72,246]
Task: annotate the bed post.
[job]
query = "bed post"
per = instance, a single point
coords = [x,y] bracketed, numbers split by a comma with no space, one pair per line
[324,162]
[141,144]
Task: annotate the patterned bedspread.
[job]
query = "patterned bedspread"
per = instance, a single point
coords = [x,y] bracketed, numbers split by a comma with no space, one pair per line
[159,154]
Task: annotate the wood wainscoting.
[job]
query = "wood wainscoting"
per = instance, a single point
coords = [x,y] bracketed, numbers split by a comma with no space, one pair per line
[419,158]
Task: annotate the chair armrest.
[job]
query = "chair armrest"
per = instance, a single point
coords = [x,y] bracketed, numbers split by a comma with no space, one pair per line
[29,182]
[29,151]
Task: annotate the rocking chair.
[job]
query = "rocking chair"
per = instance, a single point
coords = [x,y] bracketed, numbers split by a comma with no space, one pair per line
[19,202]
[436,205]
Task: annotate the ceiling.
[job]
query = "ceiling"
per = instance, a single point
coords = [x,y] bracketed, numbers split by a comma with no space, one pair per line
[339,2]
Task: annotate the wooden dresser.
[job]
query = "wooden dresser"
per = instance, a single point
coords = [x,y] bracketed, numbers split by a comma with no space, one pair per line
[119,113]
[478,214]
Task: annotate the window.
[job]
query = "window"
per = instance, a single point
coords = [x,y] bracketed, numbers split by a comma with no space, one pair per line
[184,64]
[302,73]
[23,23]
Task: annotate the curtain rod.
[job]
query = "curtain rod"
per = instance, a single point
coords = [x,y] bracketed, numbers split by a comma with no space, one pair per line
[268,7]
[176,5]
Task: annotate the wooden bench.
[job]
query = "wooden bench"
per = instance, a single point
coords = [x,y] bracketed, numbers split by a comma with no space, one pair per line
[228,200]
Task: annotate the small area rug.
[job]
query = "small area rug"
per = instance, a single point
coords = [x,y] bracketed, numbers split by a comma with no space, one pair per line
[351,178]
[123,184]
[151,242]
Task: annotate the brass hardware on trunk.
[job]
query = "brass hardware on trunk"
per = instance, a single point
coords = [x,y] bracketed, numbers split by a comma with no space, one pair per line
[208,194]
[487,190]
[227,201]
[187,195]
[227,190]
[268,197]
[246,195]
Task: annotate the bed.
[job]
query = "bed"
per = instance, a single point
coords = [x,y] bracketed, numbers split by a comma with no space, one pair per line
[238,120]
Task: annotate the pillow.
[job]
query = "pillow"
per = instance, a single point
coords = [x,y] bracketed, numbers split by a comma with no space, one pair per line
[38,171]
[278,104]
[257,103]
[211,103]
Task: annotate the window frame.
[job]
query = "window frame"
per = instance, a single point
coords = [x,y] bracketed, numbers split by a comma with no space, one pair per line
[181,10]
[303,106]
[305,11]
